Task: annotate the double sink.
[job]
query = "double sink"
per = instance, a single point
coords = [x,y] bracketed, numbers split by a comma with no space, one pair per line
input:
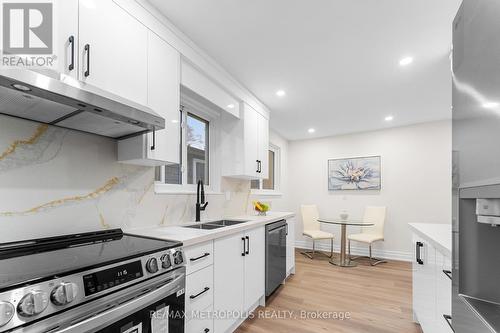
[215,224]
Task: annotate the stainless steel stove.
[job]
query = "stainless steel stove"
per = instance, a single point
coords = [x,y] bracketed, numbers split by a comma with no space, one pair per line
[103,281]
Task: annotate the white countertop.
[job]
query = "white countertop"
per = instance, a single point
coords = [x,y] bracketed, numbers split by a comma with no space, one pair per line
[438,234]
[189,236]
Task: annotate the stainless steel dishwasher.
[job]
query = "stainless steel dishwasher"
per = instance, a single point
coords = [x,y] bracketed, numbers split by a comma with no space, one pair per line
[276,234]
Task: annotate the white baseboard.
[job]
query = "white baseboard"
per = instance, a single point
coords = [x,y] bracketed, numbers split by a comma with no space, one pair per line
[356,250]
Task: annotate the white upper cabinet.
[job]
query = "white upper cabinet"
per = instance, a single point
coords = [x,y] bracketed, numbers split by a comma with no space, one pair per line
[113,50]
[164,98]
[245,145]
[263,146]
[66,37]
[163,146]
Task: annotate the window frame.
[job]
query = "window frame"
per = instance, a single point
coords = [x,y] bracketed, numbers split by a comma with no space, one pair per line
[277,175]
[205,113]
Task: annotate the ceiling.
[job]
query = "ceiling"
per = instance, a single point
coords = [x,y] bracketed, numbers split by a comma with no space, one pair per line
[337,60]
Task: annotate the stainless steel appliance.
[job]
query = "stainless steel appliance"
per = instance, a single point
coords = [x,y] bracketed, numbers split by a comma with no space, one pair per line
[476,167]
[93,282]
[276,234]
[55,99]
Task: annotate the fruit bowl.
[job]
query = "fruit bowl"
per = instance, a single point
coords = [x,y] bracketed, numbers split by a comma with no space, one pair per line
[261,208]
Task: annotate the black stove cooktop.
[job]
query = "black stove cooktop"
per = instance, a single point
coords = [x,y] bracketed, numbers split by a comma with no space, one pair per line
[42,259]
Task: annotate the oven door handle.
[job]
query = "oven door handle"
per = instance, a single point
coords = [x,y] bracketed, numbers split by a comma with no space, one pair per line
[106,318]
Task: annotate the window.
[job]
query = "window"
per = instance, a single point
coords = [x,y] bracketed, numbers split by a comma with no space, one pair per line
[197,149]
[270,184]
[194,152]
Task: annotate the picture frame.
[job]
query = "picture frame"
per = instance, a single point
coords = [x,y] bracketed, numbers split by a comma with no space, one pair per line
[355,174]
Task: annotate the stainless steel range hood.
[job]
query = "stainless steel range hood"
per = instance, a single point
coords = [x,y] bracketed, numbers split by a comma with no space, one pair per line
[63,101]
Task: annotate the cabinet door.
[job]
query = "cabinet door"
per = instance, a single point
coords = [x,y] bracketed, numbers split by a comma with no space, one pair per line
[228,279]
[255,269]
[66,27]
[251,141]
[164,98]
[263,146]
[424,284]
[290,246]
[443,292]
[116,60]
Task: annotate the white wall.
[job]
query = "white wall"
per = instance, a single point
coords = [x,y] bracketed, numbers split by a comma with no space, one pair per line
[416,180]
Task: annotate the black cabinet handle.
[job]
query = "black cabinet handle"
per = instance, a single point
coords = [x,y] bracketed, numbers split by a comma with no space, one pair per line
[206,330]
[418,245]
[72,44]
[286,229]
[248,245]
[447,273]
[244,245]
[153,147]
[200,293]
[448,320]
[260,166]
[257,166]
[87,50]
[200,257]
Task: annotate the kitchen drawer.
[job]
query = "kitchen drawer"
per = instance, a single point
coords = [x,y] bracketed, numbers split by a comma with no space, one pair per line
[202,324]
[199,290]
[443,293]
[199,256]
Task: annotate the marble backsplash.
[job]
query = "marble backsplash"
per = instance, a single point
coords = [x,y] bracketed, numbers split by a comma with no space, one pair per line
[55,181]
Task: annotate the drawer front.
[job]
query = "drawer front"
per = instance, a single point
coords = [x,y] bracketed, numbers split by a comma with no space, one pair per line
[199,257]
[201,324]
[443,294]
[199,290]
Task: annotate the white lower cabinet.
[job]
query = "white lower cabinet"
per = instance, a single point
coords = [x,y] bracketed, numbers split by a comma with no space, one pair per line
[255,274]
[199,288]
[226,279]
[290,246]
[199,291]
[239,276]
[431,287]
[443,301]
[203,324]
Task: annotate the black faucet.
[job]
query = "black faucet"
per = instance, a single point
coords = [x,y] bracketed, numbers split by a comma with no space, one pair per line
[200,200]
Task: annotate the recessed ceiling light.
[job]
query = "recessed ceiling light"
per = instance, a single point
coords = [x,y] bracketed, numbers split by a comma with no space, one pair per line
[389,118]
[21,87]
[405,61]
[89,4]
[175,121]
[490,105]
[311,130]
[230,106]
[280,93]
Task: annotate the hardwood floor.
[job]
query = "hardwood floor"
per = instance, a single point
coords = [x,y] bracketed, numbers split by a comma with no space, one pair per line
[377,298]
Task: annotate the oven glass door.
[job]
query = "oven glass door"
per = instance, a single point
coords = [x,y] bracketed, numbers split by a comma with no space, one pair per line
[164,316]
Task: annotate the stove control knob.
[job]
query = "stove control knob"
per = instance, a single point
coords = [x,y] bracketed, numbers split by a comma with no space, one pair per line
[152,265]
[165,261]
[7,311]
[64,293]
[178,259]
[33,303]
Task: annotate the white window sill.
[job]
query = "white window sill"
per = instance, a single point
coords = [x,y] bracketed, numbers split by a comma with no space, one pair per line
[176,189]
[266,193]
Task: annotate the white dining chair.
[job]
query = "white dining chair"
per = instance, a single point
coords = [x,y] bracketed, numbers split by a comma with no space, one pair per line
[370,234]
[311,229]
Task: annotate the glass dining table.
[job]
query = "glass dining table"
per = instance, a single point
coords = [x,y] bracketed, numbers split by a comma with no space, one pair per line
[344,260]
